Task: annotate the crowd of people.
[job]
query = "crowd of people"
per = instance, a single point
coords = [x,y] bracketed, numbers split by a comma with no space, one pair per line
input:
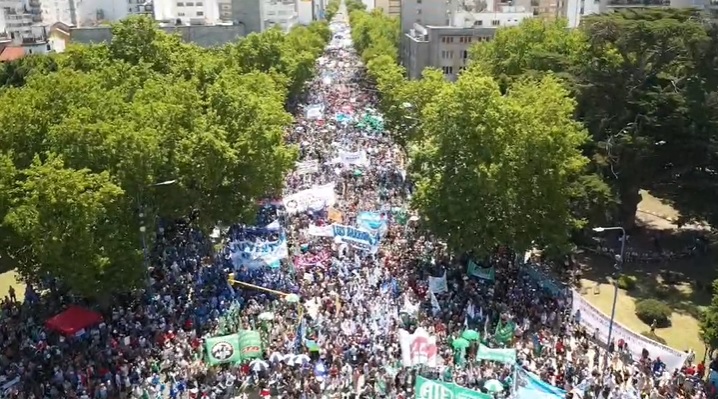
[358,274]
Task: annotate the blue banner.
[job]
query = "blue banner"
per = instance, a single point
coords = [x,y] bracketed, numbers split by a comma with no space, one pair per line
[257,252]
[357,237]
[372,221]
[530,386]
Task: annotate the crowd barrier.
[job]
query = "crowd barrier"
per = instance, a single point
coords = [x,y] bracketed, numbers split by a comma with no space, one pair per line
[595,320]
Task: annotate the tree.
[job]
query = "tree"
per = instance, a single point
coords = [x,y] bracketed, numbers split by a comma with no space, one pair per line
[69,218]
[645,83]
[84,145]
[332,9]
[354,5]
[497,170]
[633,85]
[535,45]
[709,321]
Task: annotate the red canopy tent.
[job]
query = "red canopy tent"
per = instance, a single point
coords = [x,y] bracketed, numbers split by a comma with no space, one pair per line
[73,320]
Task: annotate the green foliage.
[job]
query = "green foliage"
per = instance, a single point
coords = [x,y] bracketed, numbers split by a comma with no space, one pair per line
[331,10]
[85,136]
[507,161]
[355,5]
[649,310]
[627,282]
[646,85]
[709,321]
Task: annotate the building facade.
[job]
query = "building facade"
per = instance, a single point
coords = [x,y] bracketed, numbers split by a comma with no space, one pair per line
[446,46]
[279,13]
[186,12]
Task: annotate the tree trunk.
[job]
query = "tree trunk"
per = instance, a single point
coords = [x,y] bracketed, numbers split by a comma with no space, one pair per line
[630,197]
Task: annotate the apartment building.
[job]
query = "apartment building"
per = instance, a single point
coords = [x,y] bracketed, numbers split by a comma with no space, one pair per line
[446,46]
[193,12]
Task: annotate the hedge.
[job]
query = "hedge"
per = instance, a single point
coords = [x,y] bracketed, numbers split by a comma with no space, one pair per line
[652,309]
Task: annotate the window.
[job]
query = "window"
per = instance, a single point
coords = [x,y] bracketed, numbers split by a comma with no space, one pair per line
[129,9]
[190,4]
[180,4]
[478,23]
[180,14]
[445,54]
[465,54]
[447,70]
[418,11]
[495,22]
[462,69]
[48,47]
[200,13]
[418,1]
[447,39]
[199,4]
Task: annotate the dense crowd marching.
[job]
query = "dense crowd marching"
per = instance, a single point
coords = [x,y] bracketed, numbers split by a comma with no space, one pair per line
[348,297]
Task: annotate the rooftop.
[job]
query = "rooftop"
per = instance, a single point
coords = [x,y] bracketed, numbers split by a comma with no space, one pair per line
[12,53]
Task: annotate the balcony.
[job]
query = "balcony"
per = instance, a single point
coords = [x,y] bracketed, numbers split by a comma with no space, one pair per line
[639,3]
[34,3]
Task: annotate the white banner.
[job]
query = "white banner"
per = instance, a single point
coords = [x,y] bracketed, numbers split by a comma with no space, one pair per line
[315,111]
[315,198]
[321,231]
[593,319]
[310,166]
[256,254]
[417,348]
[353,158]
[438,285]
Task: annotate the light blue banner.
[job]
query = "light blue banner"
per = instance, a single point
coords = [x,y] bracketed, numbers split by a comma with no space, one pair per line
[357,237]
[257,253]
[372,221]
[530,386]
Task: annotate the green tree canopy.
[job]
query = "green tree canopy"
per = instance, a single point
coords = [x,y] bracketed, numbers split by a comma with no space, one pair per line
[86,136]
[507,161]
[645,83]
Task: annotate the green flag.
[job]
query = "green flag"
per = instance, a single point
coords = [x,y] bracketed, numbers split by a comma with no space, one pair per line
[485,273]
[250,344]
[504,332]
[223,349]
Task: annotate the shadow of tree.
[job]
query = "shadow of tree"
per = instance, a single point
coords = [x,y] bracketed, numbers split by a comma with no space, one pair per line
[654,337]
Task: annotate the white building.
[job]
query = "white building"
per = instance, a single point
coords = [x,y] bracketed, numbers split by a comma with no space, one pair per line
[188,12]
[88,13]
[17,18]
[279,13]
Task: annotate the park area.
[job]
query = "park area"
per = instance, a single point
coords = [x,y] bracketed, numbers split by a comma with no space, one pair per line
[683,283]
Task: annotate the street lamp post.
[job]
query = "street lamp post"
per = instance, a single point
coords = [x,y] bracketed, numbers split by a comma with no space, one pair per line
[619,266]
[143,228]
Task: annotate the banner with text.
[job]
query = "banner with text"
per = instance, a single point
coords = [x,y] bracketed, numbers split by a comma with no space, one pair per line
[353,158]
[433,389]
[306,167]
[315,198]
[374,222]
[258,253]
[356,237]
[418,348]
[507,356]
[593,319]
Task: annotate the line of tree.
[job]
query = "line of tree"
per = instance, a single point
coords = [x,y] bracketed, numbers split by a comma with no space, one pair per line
[87,135]
[551,129]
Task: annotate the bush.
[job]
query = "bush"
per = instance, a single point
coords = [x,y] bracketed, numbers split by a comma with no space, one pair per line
[652,309]
[627,282]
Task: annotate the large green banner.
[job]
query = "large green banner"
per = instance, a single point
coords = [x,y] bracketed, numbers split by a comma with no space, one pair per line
[250,344]
[223,349]
[432,389]
[504,332]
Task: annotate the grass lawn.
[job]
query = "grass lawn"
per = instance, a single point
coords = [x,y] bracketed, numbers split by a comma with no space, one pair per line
[8,279]
[681,335]
[683,296]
